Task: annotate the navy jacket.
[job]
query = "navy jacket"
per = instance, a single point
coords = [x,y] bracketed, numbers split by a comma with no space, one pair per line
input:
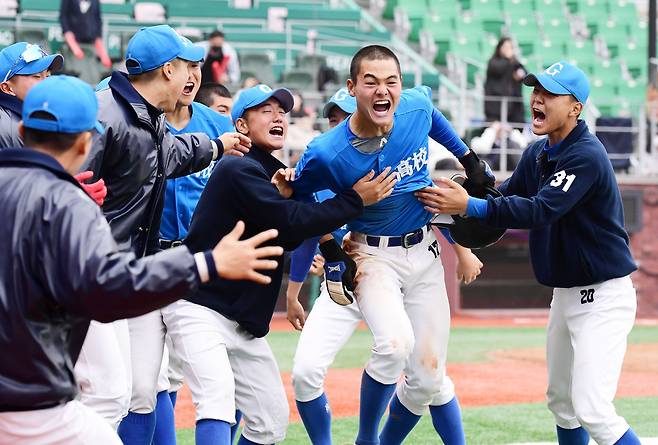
[135,156]
[85,24]
[572,206]
[11,108]
[59,268]
[240,189]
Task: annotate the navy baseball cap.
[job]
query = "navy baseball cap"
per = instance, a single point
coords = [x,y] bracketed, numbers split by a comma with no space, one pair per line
[25,59]
[254,96]
[342,100]
[152,47]
[70,101]
[562,78]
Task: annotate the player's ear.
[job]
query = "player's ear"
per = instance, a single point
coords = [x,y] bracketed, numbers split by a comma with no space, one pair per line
[241,126]
[6,88]
[350,87]
[168,70]
[576,109]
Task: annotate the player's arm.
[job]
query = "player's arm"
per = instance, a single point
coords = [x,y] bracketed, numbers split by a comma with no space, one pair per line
[468,264]
[572,179]
[88,276]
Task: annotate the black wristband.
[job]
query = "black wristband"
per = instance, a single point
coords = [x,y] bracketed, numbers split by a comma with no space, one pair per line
[330,250]
[220,148]
[469,161]
[210,262]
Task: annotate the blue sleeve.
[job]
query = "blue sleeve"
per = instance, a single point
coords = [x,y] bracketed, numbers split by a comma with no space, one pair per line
[443,133]
[572,179]
[301,259]
[312,173]
[477,207]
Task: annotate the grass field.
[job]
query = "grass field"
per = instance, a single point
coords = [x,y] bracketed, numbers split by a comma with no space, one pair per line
[483,424]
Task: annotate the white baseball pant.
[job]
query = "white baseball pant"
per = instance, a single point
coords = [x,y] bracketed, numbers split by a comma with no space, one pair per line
[585,346]
[328,327]
[147,340]
[402,296]
[103,370]
[70,424]
[228,368]
[171,373]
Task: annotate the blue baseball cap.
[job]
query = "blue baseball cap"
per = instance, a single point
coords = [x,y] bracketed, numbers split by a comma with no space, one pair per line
[25,59]
[342,100]
[70,101]
[562,78]
[152,47]
[254,96]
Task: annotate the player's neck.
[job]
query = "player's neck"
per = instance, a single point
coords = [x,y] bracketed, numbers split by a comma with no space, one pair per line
[180,117]
[365,128]
[561,133]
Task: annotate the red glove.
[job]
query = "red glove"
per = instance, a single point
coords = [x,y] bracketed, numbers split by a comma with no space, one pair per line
[96,190]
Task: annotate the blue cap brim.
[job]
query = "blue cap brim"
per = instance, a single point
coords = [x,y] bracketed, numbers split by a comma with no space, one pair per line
[52,62]
[347,108]
[284,96]
[546,82]
[192,53]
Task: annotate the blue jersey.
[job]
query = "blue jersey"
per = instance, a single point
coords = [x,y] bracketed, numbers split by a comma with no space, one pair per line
[182,194]
[332,162]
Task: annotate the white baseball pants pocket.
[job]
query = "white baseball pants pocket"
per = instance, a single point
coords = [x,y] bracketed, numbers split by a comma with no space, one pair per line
[585,346]
[227,368]
[103,370]
[69,424]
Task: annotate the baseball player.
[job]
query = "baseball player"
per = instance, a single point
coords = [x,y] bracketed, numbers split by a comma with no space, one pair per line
[329,325]
[565,192]
[23,65]
[135,156]
[400,287]
[181,196]
[216,97]
[218,333]
[63,268]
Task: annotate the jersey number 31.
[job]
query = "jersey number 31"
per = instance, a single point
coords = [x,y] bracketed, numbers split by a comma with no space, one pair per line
[560,178]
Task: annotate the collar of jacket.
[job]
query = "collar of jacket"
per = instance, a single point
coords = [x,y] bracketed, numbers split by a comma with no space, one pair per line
[265,158]
[12,103]
[26,157]
[122,88]
[565,144]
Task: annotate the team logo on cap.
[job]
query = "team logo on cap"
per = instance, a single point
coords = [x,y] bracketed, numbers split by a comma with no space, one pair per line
[264,88]
[341,94]
[554,69]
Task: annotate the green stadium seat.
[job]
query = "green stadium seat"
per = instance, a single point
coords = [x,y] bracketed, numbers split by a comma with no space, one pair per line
[39,6]
[298,80]
[549,52]
[442,8]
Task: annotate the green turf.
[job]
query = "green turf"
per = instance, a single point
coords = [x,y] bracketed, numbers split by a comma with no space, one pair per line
[486,426]
[467,344]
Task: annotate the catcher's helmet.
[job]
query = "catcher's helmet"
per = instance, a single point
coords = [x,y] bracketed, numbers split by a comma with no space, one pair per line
[474,233]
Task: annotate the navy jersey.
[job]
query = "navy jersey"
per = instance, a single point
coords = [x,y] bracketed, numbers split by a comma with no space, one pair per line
[571,203]
[182,194]
[332,162]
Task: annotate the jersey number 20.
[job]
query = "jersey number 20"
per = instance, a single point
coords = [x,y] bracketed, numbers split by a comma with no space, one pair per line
[559,179]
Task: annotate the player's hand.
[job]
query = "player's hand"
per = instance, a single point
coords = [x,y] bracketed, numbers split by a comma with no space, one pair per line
[295,313]
[451,199]
[237,259]
[235,144]
[373,189]
[340,271]
[469,265]
[477,171]
[282,179]
[96,190]
[317,267]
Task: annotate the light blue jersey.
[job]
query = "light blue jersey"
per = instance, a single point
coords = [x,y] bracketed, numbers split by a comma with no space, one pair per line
[332,162]
[182,194]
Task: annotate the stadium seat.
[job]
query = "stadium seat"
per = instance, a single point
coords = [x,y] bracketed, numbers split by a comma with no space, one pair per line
[298,80]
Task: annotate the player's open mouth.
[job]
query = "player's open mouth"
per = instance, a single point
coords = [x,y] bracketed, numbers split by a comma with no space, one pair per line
[189,87]
[381,106]
[276,131]
[538,116]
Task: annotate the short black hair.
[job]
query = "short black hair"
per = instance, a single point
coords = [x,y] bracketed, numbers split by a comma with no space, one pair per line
[55,141]
[216,33]
[371,52]
[208,89]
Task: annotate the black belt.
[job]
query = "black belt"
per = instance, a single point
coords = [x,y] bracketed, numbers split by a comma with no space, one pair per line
[168,244]
[407,240]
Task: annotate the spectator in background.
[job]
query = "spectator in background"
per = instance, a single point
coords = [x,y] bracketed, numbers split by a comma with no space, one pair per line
[221,62]
[82,29]
[504,76]
[216,97]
